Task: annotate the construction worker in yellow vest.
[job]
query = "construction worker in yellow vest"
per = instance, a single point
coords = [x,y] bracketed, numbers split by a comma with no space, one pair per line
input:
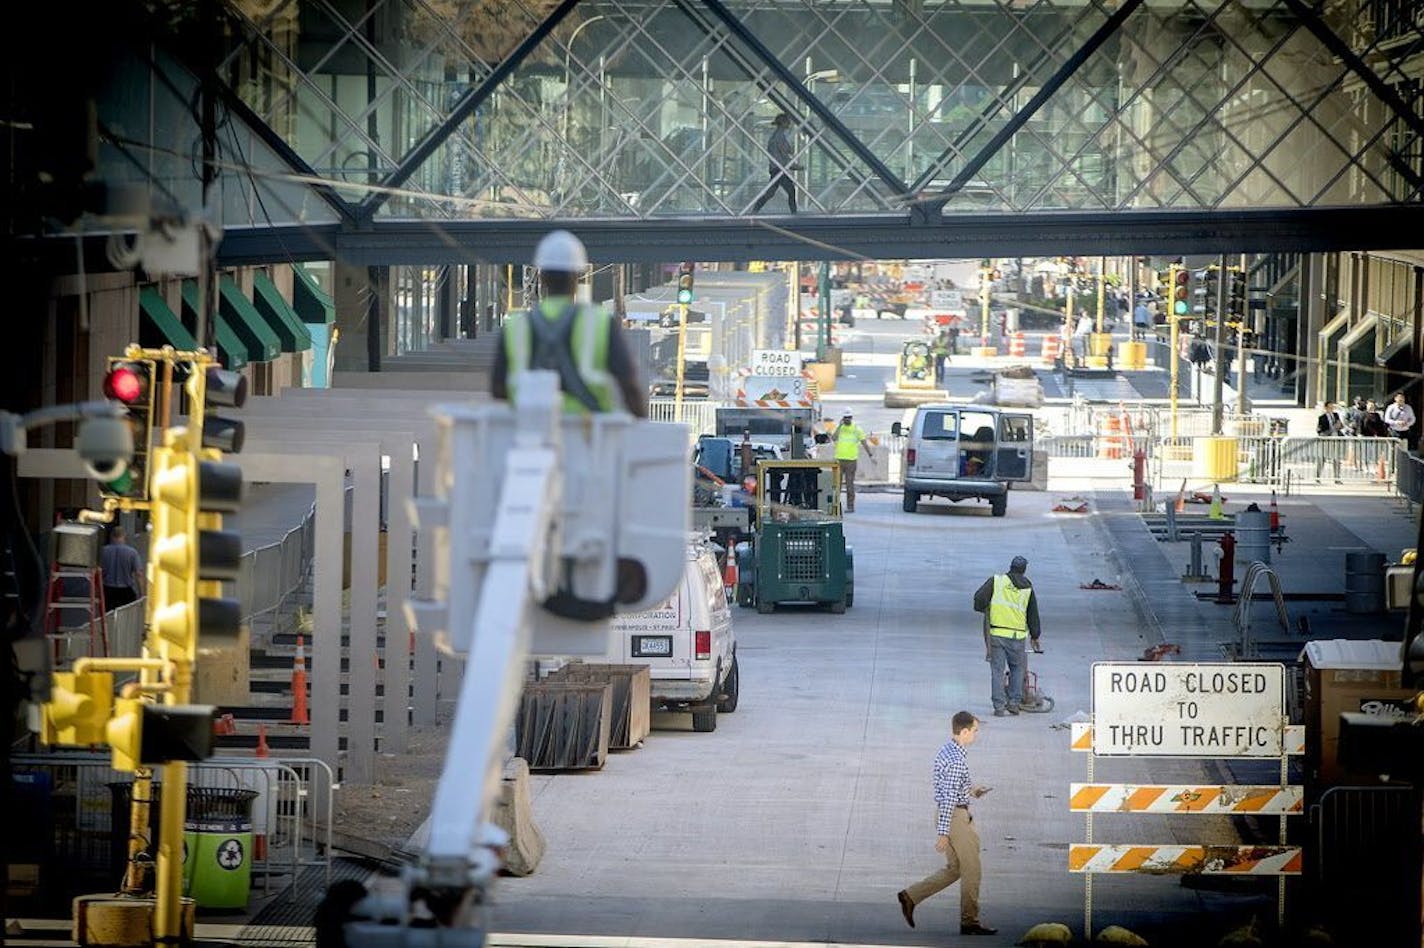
[849,437]
[579,341]
[1010,616]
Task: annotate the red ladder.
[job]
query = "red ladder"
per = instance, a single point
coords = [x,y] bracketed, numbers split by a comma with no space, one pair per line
[56,602]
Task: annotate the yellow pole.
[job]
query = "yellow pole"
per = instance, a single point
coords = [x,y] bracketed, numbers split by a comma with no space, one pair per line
[508,288]
[984,304]
[1102,288]
[1070,356]
[1174,360]
[681,353]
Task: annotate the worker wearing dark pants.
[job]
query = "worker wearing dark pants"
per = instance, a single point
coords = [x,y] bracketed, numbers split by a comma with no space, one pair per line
[849,438]
[1010,616]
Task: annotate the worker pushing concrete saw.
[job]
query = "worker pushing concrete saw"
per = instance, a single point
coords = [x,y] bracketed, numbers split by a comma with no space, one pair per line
[550,515]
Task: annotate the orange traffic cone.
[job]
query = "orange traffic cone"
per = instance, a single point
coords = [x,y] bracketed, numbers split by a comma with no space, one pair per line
[1181,503]
[1275,515]
[729,574]
[262,749]
[299,685]
[1380,473]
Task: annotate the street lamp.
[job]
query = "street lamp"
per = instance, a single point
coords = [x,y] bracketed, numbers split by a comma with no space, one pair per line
[569,100]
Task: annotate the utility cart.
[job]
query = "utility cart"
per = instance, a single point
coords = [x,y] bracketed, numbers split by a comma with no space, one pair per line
[798,552]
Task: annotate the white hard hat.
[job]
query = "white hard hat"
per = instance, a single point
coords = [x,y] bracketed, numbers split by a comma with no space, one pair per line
[561,250]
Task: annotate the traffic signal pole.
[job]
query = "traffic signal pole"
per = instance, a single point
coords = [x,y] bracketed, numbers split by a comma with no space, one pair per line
[1218,380]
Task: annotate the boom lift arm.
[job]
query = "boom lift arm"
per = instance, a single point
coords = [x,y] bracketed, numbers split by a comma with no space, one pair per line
[586,516]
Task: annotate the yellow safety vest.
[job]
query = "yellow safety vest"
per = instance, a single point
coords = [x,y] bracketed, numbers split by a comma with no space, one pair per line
[1008,610]
[588,340]
[848,439]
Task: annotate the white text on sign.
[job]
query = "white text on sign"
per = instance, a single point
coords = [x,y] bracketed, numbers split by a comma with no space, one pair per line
[1200,710]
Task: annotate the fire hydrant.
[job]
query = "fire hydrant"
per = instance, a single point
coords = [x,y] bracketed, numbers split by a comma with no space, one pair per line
[1139,474]
[1226,568]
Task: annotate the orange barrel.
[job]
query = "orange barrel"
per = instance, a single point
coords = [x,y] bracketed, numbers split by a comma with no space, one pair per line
[1051,341]
[1110,443]
[1016,345]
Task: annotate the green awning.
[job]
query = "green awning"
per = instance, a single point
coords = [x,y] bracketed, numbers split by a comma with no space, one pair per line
[262,343]
[309,299]
[232,352]
[280,317]
[161,326]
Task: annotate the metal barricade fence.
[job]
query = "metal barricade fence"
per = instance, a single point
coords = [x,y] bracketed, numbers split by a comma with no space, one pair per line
[698,414]
[78,836]
[267,580]
[1283,462]
[1409,476]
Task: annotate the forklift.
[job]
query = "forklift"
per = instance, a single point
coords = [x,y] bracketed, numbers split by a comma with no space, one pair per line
[798,552]
[915,380]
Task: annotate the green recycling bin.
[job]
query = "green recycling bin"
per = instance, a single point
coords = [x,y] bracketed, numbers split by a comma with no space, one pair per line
[217,847]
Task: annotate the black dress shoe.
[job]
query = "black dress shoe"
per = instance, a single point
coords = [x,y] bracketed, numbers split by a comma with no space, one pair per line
[907,908]
[977,929]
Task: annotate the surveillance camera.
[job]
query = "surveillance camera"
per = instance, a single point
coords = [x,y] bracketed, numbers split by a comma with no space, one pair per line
[106,447]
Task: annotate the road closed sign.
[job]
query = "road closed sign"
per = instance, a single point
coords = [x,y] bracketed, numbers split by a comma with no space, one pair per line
[777,363]
[1231,709]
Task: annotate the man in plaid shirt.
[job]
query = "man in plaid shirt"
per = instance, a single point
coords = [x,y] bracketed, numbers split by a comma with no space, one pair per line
[956,838]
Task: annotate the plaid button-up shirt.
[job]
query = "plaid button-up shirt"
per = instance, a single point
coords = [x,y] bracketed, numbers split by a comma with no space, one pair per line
[951,783]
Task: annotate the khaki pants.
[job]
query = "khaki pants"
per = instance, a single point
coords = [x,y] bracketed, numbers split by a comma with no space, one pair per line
[961,865]
[848,479]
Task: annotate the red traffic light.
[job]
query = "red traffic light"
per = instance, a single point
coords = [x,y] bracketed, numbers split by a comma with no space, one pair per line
[125,383]
[1182,277]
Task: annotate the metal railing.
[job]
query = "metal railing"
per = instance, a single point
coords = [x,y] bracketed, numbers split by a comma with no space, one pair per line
[81,802]
[1283,462]
[268,578]
[699,414]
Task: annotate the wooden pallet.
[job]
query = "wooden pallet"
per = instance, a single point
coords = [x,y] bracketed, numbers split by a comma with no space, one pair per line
[564,725]
[632,691]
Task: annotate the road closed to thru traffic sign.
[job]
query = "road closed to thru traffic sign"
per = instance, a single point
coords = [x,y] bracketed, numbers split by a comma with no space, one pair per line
[1198,710]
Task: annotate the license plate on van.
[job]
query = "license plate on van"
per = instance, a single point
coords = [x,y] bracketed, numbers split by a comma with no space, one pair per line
[652,646]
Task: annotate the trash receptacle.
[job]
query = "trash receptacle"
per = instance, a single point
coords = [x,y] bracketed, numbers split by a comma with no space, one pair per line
[218,842]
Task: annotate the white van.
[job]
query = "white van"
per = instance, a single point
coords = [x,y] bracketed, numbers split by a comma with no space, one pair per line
[687,643]
[960,452]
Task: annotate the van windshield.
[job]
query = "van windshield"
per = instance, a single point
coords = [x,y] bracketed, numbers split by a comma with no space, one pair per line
[940,426]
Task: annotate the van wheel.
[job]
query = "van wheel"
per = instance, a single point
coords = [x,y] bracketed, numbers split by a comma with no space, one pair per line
[731,689]
[744,595]
[765,608]
[910,501]
[704,720]
[999,506]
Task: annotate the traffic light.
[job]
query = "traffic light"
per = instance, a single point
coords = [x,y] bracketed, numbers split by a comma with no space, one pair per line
[130,382]
[77,708]
[1236,295]
[1205,291]
[684,283]
[192,554]
[1181,289]
[141,732]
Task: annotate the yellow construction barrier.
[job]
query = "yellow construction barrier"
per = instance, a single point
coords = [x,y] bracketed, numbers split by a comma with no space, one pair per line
[1214,458]
[1132,355]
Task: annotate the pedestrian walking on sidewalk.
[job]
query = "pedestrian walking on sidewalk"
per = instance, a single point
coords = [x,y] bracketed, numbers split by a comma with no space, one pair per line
[955,836]
[849,438]
[1010,616]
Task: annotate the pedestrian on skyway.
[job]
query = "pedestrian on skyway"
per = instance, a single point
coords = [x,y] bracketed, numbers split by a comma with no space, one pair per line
[122,570]
[849,438]
[583,343]
[779,150]
[1010,615]
[955,836]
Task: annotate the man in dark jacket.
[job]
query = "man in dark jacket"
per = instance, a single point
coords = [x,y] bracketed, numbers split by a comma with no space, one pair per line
[779,151]
[1010,610]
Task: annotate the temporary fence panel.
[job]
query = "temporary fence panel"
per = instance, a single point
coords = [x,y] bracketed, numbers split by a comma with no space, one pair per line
[699,414]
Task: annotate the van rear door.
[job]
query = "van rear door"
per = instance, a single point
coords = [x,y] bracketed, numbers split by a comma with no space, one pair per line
[658,638]
[1015,455]
[937,447]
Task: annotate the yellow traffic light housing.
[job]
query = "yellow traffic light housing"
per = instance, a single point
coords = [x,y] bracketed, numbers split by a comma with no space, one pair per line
[77,709]
[1181,291]
[684,284]
[132,383]
[125,734]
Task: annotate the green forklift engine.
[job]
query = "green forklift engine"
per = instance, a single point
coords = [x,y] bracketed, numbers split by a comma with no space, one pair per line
[798,552]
